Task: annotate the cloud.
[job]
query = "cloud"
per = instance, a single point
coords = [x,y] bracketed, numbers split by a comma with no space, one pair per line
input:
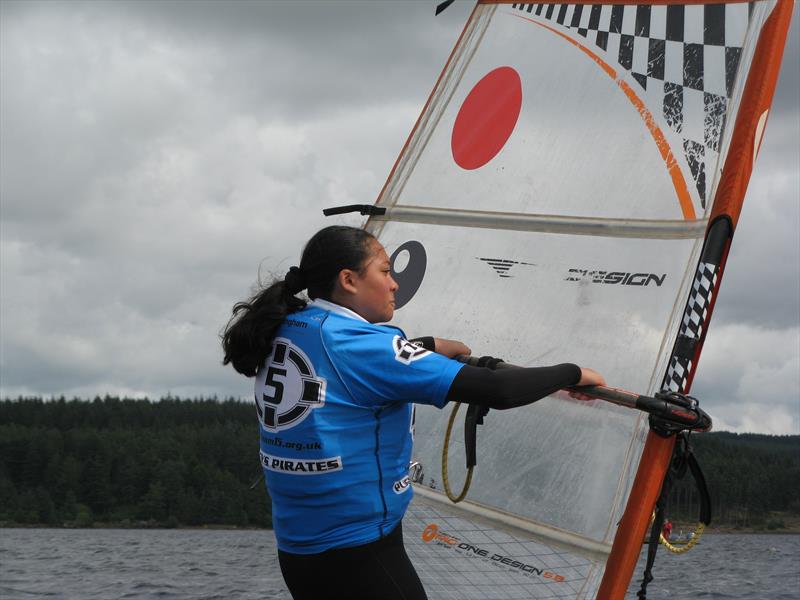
[156,158]
[265,59]
[761,283]
[748,378]
[157,204]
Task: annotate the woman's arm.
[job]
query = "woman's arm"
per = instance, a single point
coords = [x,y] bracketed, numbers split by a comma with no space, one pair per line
[510,388]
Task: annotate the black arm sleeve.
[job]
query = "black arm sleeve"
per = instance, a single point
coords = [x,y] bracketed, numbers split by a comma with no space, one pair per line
[509,388]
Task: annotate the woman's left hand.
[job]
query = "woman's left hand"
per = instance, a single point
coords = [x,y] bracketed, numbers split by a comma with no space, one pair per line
[451,348]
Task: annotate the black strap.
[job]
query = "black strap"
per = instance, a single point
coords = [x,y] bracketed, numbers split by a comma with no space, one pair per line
[700,481]
[682,458]
[475,414]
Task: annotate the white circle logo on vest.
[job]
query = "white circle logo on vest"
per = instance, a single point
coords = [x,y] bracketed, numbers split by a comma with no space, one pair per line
[287,388]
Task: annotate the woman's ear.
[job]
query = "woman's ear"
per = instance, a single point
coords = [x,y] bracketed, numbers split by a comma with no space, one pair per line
[346,281]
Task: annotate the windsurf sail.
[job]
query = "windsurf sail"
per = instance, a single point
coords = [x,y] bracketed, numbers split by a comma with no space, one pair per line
[568,194]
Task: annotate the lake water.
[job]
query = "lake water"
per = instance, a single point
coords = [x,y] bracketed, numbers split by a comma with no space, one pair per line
[195,564]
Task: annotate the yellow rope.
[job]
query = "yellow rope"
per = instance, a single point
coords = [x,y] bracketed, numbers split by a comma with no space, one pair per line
[682,547]
[445,449]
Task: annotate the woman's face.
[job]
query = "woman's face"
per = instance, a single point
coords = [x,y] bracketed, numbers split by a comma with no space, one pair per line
[373,287]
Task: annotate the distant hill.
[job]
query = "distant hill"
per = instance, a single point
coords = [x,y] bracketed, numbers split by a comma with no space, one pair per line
[179,462]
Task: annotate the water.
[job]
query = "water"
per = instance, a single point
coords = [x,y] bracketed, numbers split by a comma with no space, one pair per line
[191,564]
[136,563]
[757,567]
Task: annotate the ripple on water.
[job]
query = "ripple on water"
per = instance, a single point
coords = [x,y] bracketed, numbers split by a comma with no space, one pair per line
[189,564]
[10,592]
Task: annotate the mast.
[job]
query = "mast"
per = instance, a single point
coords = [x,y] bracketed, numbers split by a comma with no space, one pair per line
[746,141]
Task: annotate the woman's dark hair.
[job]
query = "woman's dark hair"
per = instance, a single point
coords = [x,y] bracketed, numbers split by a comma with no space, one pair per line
[247,339]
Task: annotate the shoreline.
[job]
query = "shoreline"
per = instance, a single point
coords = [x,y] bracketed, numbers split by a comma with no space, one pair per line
[794,529]
[138,525]
[790,525]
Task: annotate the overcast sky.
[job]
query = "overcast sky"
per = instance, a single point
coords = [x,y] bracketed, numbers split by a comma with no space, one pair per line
[155,156]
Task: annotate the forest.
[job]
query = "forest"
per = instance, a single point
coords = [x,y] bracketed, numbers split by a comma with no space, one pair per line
[194,462]
[130,462]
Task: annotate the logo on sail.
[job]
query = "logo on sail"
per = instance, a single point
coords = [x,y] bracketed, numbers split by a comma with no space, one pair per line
[503,266]
[408,265]
[616,277]
[432,533]
[487,118]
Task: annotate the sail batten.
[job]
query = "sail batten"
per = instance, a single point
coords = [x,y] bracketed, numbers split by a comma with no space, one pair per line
[543,532]
[627,228]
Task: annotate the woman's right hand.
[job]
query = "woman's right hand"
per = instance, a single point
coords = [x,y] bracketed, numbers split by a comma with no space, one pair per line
[591,377]
[588,377]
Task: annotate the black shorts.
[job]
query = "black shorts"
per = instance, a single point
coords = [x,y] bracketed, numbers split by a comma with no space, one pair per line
[380,570]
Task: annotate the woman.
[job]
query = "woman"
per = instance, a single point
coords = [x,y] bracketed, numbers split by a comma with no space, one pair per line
[333,390]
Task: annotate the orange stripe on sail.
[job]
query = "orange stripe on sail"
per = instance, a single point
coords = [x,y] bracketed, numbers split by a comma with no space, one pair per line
[666,153]
[678,180]
[603,64]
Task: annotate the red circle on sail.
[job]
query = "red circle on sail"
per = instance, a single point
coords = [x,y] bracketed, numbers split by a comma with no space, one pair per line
[487,118]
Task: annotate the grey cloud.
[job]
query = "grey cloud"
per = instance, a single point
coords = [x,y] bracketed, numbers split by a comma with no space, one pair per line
[155,155]
[789,77]
[748,376]
[274,58]
[761,284]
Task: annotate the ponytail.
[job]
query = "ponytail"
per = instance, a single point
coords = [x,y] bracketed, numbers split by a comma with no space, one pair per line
[247,339]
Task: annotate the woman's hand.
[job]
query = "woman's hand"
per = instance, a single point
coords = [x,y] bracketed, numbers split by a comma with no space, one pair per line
[588,377]
[451,348]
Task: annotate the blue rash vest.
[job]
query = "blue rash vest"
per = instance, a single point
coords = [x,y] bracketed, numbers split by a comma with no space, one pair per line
[334,401]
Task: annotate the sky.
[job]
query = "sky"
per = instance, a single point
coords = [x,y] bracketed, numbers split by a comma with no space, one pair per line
[158,158]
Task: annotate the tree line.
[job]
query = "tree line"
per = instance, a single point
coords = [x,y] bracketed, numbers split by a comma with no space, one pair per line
[753,480]
[180,462]
[168,463]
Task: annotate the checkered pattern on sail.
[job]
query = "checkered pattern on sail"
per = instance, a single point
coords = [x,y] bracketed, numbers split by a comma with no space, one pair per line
[694,319]
[686,57]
